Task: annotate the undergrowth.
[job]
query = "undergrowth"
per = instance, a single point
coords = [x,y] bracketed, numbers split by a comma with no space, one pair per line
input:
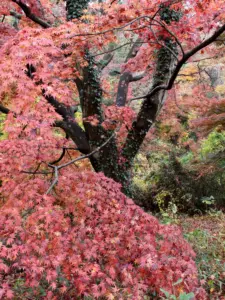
[206,234]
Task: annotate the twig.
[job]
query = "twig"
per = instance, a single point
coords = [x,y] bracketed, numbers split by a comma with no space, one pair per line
[60,157]
[67,151]
[113,29]
[116,48]
[34,173]
[56,179]
[57,168]
[87,155]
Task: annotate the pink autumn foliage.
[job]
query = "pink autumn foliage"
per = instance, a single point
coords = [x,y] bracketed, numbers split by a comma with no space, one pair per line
[89,239]
[86,238]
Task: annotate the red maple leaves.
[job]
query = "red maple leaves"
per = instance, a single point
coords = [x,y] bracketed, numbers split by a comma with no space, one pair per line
[90,240]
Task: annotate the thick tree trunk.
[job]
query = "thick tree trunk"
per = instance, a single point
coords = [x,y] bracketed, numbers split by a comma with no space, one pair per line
[109,160]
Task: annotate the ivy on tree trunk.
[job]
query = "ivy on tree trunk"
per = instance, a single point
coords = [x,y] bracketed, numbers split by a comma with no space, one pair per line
[107,159]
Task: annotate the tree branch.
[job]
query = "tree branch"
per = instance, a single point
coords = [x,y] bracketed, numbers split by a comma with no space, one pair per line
[76,133]
[127,77]
[4,109]
[122,89]
[26,9]
[172,34]
[105,61]
[163,44]
[57,168]
[60,157]
[69,125]
[63,110]
[56,179]
[114,49]
[181,62]
[137,76]
[15,14]
[150,106]
[185,58]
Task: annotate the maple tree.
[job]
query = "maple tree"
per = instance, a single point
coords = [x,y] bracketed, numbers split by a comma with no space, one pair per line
[52,214]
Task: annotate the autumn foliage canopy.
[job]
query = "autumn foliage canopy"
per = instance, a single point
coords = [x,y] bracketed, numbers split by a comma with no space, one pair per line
[66,231]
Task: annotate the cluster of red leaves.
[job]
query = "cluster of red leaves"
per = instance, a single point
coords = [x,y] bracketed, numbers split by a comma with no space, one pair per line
[119,118]
[118,115]
[89,239]
[200,111]
[211,115]
[6,33]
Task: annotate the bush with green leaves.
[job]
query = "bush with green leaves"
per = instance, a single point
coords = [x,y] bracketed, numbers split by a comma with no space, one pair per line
[163,179]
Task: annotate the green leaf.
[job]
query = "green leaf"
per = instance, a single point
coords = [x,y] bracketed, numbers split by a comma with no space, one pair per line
[185,296]
[178,281]
[167,294]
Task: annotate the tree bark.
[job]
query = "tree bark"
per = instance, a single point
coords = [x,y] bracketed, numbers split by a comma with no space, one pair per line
[151,105]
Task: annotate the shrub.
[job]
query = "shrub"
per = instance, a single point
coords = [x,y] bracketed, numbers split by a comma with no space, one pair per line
[171,179]
[92,241]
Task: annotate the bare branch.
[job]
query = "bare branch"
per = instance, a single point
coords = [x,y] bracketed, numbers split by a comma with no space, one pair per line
[60,157]
[69,124]
[137,76]
[56,179]
[201,59]
[117,48]
[38,172]
[15,14]
[63,110]
[76,133]
[87,155]
[127,77]
[115,28]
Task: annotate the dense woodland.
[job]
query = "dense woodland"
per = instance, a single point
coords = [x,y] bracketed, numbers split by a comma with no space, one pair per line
[112,149]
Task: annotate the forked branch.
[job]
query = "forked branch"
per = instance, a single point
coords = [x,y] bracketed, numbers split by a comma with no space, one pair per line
[57,168]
